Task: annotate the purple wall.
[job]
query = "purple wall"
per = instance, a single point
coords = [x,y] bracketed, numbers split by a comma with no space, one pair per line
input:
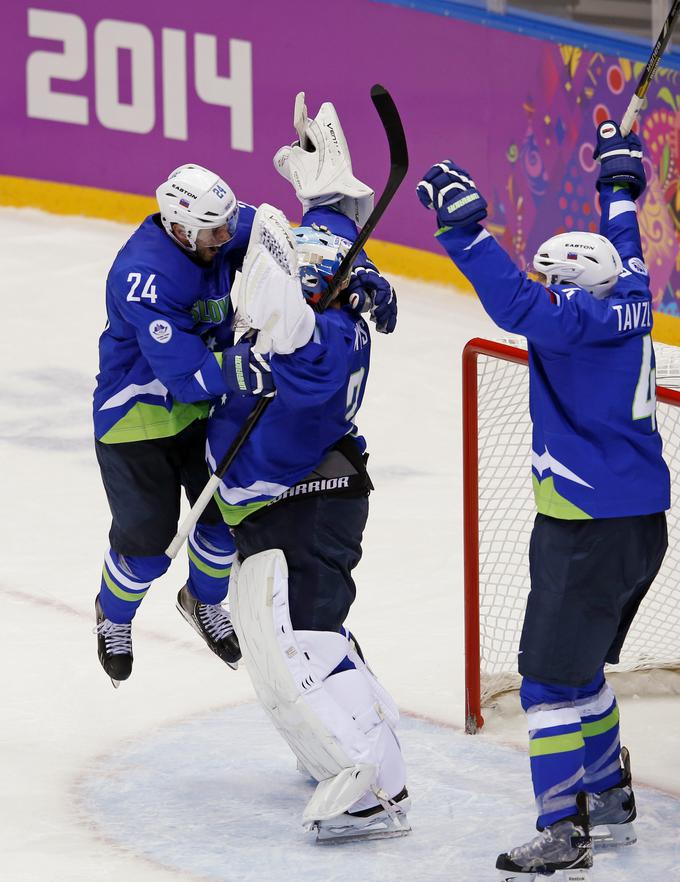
[517,111]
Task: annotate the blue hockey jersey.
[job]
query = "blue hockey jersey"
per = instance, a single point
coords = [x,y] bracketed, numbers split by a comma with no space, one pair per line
[169,317]
[592,387]
[319,387]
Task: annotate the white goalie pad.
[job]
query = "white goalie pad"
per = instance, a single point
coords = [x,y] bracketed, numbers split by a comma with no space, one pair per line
[270,296]
[320,166]
[335,725]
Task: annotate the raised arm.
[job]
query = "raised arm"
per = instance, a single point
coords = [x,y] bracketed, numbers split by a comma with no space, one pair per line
[579,272]
[620,182]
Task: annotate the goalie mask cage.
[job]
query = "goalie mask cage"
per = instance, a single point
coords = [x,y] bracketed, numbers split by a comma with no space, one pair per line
[499,511]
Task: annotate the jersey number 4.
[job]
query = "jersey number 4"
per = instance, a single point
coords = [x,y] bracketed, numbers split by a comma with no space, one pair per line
[644,402]
[148,292]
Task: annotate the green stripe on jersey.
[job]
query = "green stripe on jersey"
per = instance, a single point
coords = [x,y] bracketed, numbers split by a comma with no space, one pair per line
[144,422]
[234,514]
[549,502]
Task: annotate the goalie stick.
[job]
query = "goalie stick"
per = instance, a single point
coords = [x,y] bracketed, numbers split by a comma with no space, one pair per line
[394,130]
[389,117]
[648,73]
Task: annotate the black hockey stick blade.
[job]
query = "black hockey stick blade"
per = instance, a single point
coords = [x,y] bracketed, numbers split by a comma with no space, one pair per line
[396,139]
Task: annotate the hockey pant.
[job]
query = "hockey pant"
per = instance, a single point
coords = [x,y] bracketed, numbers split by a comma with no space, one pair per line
[573,743]
[127,578]
[325,702]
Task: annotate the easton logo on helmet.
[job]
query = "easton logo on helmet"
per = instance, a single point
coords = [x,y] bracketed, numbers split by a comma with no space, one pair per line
[182,190]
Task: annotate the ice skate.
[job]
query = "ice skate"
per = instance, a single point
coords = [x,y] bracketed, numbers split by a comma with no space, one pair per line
[564,846]
[384,821]
[612,812]
[114,646]
[213,623]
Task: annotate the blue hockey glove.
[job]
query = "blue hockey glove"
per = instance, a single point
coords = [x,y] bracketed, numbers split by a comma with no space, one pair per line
[370,292]
[620,159]
[247,372]
[453,194]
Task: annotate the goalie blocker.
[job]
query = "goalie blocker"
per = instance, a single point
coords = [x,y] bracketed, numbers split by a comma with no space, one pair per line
[325,702]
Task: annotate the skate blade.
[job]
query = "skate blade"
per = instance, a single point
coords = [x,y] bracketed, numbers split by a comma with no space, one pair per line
[386,828]
[614,836]
[326,837]
[115,683]
[580,875]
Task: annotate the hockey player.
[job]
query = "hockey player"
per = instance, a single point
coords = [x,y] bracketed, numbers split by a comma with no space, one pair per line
[297,500]
[165,353]
[600,483]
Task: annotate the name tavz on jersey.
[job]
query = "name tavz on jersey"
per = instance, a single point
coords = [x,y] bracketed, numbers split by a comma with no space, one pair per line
[633,315]
[210,311]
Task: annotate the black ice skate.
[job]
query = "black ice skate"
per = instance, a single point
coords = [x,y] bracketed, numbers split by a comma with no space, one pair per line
[613,811]
[563,846]
[384,821]
[212,622]
[114,646]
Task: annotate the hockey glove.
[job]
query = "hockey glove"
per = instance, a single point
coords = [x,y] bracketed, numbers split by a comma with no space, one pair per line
[453,194]
[370,292]
[620,159]
[247,372]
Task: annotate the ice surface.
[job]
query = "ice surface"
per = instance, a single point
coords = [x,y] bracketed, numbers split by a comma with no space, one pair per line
[176,775]
[237,815]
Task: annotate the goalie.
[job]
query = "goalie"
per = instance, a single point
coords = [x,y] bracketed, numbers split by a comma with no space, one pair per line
[296,496]
[600,482]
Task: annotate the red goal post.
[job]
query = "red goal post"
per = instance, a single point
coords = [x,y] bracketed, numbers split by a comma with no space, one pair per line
[499,512]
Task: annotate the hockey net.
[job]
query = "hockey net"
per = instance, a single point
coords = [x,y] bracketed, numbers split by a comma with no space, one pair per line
[499,515]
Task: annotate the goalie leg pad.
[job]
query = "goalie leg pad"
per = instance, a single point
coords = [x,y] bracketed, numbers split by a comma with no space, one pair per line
[332,721]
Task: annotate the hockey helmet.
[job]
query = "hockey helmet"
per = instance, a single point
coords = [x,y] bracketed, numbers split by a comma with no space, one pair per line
[197,199]
[584,259]
[320,254]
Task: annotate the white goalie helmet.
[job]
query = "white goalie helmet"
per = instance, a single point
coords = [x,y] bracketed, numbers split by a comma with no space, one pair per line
[197,199]
[586,259]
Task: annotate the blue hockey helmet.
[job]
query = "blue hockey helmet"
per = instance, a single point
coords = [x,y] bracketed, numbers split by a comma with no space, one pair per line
[320,253]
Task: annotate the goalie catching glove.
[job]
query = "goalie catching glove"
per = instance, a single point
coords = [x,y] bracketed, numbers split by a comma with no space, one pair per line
[452,193]
[319,165]
[620,159]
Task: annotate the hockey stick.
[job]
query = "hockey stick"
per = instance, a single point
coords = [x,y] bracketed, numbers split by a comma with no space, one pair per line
[648,73]
[389,117]
[394,130]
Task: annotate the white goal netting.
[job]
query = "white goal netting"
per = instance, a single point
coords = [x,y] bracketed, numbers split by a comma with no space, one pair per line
[506,514]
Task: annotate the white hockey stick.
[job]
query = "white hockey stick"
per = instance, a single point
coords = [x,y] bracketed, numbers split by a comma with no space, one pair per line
[638,99]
